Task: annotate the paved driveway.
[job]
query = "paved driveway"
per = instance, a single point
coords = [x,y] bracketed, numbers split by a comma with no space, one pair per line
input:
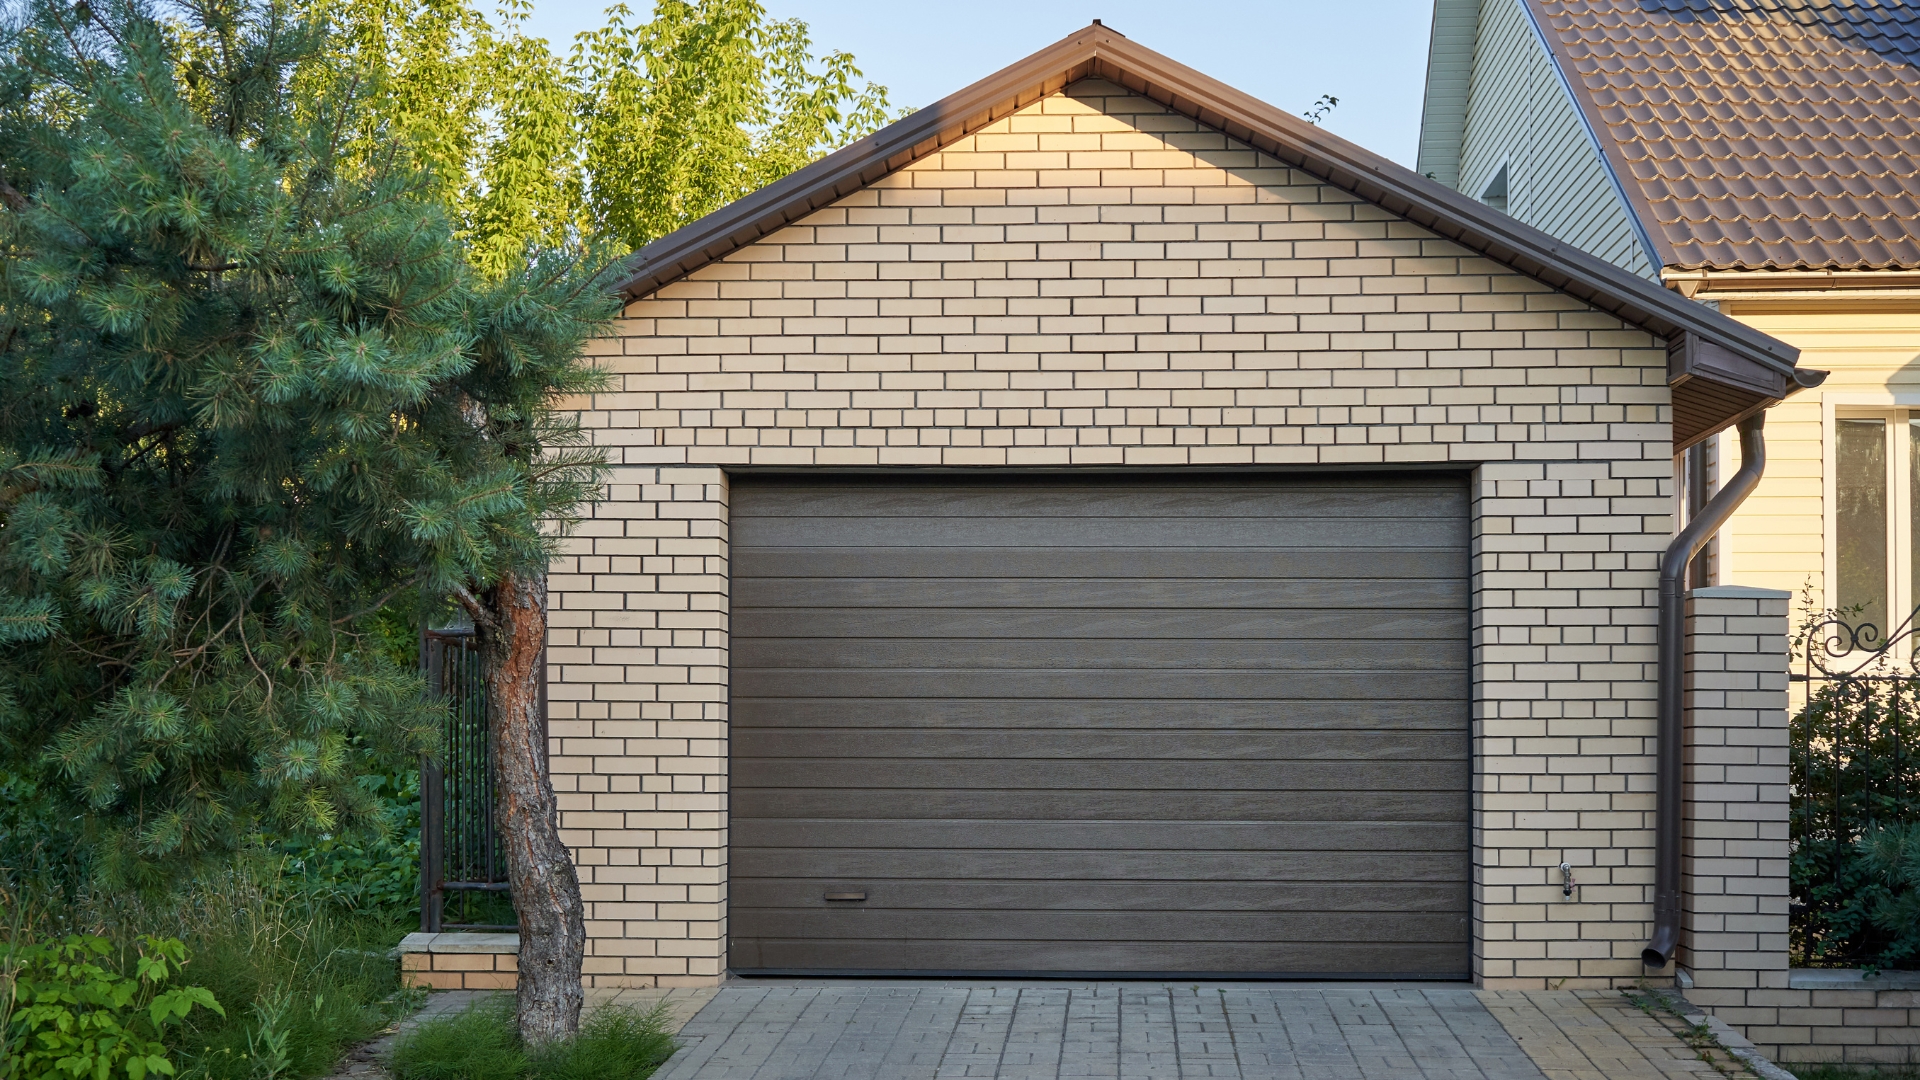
[1027,1031]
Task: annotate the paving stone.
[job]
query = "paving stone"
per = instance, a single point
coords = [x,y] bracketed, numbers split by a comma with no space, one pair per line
[1144,1031]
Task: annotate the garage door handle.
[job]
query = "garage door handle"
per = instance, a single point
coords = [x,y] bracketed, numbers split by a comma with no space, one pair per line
[846,896]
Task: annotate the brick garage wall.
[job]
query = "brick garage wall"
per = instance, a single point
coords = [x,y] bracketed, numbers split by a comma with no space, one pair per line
[1096,281]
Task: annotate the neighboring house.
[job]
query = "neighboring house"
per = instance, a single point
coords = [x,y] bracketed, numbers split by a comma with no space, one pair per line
[1103,524]
[1761,156]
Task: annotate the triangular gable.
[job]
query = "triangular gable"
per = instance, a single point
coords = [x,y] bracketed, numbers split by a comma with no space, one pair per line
[1758,361]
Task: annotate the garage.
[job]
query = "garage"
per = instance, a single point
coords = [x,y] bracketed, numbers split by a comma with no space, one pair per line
[1145,725]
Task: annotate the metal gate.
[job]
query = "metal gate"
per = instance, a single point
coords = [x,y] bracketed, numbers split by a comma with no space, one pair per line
[460,850]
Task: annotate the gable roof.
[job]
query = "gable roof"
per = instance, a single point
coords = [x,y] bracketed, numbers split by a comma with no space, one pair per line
[1099,52]
[1754,134]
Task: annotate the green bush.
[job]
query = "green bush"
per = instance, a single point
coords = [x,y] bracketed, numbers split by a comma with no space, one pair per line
[1856,791]
[481,1044]
[366,872]
[73,1017]
[302,979]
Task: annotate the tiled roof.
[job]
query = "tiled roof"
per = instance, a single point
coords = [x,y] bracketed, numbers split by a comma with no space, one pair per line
[1755,134]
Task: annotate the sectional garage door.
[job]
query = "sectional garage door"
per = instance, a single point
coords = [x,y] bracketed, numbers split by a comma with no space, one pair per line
[1127,725]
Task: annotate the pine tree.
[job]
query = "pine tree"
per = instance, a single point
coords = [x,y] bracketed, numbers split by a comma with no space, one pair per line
[251,388]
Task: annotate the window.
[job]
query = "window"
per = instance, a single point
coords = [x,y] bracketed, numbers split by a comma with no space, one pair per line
[1876,472]
[1495,193]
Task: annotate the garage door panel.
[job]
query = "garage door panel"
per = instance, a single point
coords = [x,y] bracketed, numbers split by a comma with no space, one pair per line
[1343,563]
[1436,897]
[767,714]
[1138,836]
[1067,590]
[1198,537]
[1197,725]
[854,500]
[1106,651]
[998,746]
[1171,776]
[936,925]
[901,625]
[1068,868]
[1293,959]
[749,803]
[1144,686]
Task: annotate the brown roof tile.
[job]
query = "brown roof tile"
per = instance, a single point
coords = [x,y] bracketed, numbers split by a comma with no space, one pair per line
[1755,134]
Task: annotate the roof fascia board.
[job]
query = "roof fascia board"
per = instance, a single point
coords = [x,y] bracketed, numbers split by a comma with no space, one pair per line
[1637,212]
[1449,90]
[854,166]
[1099,51]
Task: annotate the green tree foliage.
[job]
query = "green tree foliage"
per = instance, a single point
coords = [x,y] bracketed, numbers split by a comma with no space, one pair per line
[250,388]
[643,127]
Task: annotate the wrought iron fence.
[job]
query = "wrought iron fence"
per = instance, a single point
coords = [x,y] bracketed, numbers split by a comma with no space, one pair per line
[460,849]
[1854,769]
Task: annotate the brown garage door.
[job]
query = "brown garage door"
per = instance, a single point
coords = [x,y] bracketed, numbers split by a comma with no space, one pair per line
[1126,725]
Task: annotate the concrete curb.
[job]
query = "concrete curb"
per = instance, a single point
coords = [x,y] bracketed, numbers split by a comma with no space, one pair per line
[1730,1040]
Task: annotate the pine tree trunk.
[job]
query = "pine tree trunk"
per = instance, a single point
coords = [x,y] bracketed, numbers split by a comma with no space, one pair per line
[546,888]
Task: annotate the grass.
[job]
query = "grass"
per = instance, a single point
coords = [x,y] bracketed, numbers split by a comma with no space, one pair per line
[1852,1072]
[301,981]
[615,1043]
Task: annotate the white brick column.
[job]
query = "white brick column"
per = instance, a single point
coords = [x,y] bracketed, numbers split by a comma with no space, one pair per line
[1734,877]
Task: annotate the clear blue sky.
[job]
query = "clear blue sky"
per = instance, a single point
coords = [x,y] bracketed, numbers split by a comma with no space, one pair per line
[1371,54]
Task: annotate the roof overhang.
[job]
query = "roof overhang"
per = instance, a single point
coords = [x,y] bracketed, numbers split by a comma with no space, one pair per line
[1099,52]
[1835,285]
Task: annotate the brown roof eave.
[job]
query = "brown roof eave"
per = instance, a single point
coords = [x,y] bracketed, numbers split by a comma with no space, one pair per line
[1096,50]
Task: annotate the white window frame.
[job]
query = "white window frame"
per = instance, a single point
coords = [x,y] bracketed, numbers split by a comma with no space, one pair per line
[1897,410]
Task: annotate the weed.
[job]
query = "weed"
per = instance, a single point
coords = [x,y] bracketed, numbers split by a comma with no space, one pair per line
[1698,1037]
[614,1044]
[481,1044]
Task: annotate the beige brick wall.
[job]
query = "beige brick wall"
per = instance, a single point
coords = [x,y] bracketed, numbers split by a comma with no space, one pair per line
[1095,281]
[1734,873]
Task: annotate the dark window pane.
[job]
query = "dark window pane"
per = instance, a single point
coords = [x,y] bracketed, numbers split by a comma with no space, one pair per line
[1860,518]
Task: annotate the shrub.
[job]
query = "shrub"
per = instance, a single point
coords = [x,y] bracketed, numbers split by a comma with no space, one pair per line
[614,1043]
[364,871]
[1855,771]
[74,1017]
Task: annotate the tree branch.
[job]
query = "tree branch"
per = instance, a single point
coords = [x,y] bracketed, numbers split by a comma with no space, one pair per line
[476,610]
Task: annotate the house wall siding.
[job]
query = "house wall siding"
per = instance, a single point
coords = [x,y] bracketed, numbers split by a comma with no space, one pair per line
[1519,114]
[1443,113]
[1096,281]
[1777,540]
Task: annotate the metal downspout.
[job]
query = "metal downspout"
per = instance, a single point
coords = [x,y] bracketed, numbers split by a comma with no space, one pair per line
[1669,767]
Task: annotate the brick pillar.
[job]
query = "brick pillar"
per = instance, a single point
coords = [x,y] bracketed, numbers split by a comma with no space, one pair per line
[1734,876]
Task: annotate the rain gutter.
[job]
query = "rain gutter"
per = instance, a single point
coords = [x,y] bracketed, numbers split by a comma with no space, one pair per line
[1670,742]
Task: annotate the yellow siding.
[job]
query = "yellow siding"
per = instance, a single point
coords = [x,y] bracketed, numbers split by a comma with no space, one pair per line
[1777,540]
